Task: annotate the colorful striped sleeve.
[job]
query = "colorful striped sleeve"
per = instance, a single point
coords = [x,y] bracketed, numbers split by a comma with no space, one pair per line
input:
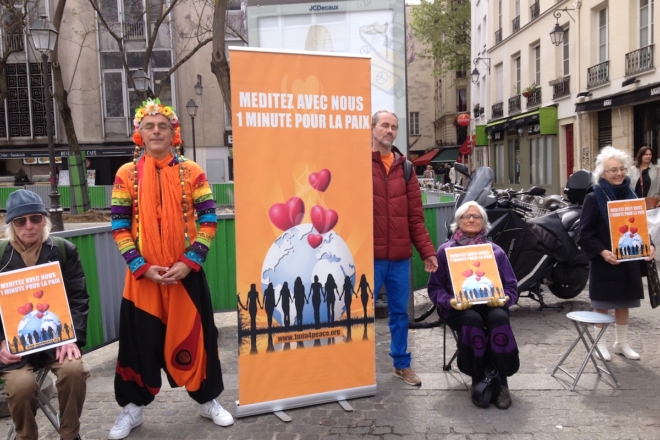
[207,222]
[121,217]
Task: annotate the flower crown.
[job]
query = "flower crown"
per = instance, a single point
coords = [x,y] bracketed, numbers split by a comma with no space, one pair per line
[154,107]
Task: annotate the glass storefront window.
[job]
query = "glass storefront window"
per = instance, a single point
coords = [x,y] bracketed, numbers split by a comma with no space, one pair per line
[540,160]
[498,151]
[514,160]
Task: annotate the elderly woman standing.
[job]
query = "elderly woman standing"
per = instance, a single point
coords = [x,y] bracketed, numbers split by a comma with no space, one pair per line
[612,284]
[484,333]
[645,174]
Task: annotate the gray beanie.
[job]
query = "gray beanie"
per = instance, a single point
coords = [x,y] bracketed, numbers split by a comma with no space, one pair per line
[24,202]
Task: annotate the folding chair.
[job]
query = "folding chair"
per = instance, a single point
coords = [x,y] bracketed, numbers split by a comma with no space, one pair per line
[447,366]
[44,404]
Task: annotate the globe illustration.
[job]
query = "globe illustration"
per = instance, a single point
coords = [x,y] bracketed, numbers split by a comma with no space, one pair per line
[628,242]
[471,284]
[31,323]
[291,256]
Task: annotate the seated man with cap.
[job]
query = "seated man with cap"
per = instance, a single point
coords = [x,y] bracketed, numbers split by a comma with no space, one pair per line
[30,244]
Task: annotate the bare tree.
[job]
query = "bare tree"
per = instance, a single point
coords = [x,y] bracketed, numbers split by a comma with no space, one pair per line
[191,35]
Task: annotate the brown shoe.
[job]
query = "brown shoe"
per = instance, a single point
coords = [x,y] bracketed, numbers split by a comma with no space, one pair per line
[408,376]
[503,400]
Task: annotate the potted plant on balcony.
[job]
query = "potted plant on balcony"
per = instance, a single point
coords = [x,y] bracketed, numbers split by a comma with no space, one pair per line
[529,91]
[475,109]
[482,110]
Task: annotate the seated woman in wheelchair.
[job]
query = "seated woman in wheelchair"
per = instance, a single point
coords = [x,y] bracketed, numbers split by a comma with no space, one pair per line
[486,345]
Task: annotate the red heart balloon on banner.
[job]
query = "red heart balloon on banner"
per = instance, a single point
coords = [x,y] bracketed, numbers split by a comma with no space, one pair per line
[623,229]
[467,273]
[43,307]
[287,215]
[320,180]
[480,273]
[40,315]
[633,229]
[476,264]
[314,240]
[323,220]
[38,294]
[631,219]
[25,309]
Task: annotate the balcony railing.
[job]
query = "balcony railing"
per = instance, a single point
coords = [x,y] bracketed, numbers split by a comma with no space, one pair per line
[598,74]
[535,10]
[515,25]
[514,104]
[13,42]
[134,31]
[639,60]
[497,110]
[561,87]
[534,100]
[498,36]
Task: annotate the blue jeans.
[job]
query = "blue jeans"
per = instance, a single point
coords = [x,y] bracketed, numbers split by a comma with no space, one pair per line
[396,276]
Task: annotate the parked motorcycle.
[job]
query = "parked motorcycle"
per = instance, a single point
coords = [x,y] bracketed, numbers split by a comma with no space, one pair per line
[544,249]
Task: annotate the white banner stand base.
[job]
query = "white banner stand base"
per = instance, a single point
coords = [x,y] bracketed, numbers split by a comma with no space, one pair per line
[278,407]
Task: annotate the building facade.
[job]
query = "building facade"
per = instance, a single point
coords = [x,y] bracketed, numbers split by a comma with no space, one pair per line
[421,103]
[99,92]
[565,82]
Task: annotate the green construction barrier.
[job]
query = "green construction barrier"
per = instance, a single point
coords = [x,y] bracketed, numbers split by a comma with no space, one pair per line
[419,275]
[4,195]
[87,252]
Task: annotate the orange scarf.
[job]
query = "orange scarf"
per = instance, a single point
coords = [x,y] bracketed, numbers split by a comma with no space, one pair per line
[160,206]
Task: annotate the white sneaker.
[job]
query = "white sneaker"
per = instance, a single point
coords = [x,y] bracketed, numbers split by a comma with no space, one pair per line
[213,410]
[624,349]
[129,418]
[606,353]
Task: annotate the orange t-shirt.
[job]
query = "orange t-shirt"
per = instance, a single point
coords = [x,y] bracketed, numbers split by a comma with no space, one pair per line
[388,160]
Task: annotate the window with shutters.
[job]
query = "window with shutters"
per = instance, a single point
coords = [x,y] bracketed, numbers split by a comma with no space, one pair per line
[604,128]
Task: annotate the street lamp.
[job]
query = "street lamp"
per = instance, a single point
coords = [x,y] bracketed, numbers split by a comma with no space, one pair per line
[475,73]
[141,80]
[557,34]
[191,107]
[198,86]
[44,37]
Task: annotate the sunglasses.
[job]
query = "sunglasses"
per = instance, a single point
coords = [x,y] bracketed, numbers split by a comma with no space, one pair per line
[35,219]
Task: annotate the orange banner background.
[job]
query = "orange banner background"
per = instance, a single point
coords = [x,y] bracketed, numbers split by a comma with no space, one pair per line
[329,169]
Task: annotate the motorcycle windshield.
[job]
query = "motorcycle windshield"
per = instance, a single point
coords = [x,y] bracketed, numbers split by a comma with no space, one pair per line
[478,188]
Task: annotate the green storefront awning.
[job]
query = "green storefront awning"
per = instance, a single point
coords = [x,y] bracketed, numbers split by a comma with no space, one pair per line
[546,117]
[482,136]
[446,155]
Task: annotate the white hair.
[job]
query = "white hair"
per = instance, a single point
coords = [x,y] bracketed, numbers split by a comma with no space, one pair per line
[376,117]
[45,232]
[463,209]
[605,154]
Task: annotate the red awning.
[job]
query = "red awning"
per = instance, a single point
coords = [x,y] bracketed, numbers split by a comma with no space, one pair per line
[425,159]
[466,147]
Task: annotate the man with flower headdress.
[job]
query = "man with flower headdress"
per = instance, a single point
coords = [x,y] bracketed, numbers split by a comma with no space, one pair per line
[166,317]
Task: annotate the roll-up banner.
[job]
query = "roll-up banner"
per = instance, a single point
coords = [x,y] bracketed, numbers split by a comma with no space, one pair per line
[304,228]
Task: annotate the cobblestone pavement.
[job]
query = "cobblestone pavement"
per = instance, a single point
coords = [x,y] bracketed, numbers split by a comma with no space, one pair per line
[543,407]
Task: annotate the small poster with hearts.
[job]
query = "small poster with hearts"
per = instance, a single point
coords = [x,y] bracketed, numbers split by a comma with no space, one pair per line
[474,273]
[629,230]
[35,309]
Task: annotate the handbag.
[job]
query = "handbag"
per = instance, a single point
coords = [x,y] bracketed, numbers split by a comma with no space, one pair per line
[651,202]
[488,389]
[653,283]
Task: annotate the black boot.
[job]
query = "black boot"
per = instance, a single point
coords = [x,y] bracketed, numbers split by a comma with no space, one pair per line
[503,399]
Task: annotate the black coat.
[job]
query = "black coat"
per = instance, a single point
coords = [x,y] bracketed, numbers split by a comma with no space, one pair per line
[76,290]
[607,282]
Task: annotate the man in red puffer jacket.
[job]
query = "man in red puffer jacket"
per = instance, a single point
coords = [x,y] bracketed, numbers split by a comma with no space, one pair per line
[398,220]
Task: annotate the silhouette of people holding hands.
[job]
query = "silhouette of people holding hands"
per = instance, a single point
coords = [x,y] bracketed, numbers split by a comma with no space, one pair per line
[23,343]
[35,334]
[347,293]
[252,303]
[299,299]
[66,330]
[285,297]
[364,290]
[30,339]
[269,303]
[315,292]
[330,288]
[15,344]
